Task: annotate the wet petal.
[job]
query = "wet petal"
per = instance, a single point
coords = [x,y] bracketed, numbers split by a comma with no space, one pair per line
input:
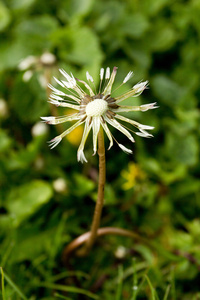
[95,127]
[59,120]
[86,131]
[108,88]
[121,128]
[134,123]
[126,150]
[107,131]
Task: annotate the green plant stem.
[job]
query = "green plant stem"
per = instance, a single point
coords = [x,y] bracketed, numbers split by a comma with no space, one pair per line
[100,199]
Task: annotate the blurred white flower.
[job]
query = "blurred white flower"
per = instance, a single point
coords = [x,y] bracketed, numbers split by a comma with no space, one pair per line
[27,62]
[47,58]
[60,185]
[96,109]
[120,252]
[27,75]
[39,129]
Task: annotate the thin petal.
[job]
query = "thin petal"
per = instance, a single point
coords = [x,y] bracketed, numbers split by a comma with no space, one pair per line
[89,77]
[134,123]
[144,133]
[87,86]
[126,150]
[142,108]
[95,126]
[66,95]
[64,104]
[55,141]
[59,82]
[107,131]
[101,73]
[108,88]
[121,128]
[55,91]
[128,76]
[81,156]
[59,120]
[86,131]
[107,73]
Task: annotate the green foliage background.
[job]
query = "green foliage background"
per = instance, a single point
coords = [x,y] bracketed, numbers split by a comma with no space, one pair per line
[159,41]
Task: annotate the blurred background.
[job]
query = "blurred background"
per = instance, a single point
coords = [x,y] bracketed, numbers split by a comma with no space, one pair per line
[47,198]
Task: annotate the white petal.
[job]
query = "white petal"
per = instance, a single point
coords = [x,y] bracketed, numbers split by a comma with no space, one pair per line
[139,87]
[134,123]
[107,131]
[58,120]
[126,150]
[89,77]
[121,128]
[128,76]
[146,107]
[108,87]
[101,73]
[144,133]
[107,73]
[81,156]
[59,82]
[95,127]
[86,131]
[55,91]
[55,141]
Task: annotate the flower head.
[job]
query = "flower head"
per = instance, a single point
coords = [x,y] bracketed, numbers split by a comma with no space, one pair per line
[96,109]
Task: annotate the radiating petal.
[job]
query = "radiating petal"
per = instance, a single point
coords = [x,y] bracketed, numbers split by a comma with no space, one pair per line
[101,73]
[145,107]
[55,91]
[55,141]
[81,156]
[144,133]
[59,82]
[128,76]
[87,86]
[107,131]
[107,73]
[121,128]
[66,95]
[95,126]
[89,77]
[108,88]
[64,104]
[134,123]
[126,150]
[86,131]
[59,120]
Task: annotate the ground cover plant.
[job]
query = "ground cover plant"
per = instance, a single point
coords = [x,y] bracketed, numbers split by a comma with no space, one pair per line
[47,198]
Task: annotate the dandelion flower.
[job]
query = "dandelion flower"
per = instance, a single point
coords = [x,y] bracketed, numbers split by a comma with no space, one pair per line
[96,110]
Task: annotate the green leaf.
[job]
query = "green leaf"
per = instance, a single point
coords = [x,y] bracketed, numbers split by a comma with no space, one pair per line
[15,287]
[5,16]
[134,25]
[25,200]
[82,186]
[78,45]
[167,90]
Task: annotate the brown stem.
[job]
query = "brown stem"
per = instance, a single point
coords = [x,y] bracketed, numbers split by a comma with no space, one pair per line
[101,231]
[100,199]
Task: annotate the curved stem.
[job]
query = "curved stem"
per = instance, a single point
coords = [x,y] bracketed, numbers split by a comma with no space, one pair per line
[101,231]
[100,199]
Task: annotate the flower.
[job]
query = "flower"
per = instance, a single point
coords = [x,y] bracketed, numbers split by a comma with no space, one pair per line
[132,175]
[96,109]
